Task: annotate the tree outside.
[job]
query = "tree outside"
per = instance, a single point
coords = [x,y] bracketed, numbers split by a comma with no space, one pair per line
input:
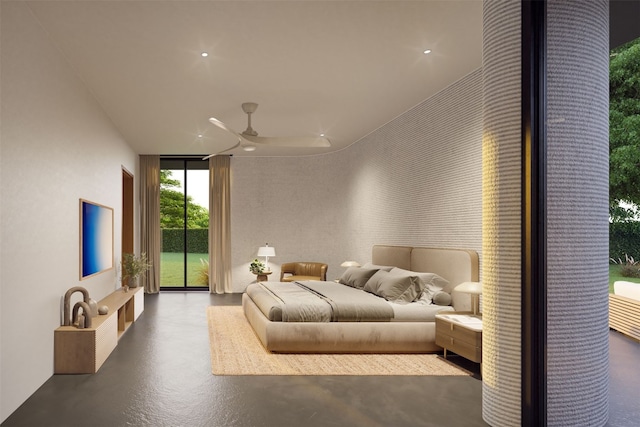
[624,161]
[172,205]
[624,129]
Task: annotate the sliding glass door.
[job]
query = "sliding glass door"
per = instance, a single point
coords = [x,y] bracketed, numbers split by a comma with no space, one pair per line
[184,223]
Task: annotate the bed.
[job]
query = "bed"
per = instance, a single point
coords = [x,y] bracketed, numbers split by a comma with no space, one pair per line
[363,330]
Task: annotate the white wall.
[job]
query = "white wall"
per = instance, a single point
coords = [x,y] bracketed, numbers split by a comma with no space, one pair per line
[416,181]
[57,147]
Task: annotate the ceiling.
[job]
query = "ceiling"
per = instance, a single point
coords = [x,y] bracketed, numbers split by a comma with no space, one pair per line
[624,16]
[342,68]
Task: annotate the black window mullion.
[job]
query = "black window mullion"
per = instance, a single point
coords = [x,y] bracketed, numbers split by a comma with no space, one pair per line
[184,227]
[534,251]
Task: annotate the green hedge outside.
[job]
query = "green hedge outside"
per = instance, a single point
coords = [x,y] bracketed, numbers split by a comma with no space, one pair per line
[197,240]
[624,238]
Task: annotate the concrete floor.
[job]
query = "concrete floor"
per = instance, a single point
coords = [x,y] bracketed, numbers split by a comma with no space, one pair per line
[160,375]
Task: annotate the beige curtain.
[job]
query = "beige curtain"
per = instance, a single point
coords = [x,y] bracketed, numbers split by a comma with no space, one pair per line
[150,219]
[219,225]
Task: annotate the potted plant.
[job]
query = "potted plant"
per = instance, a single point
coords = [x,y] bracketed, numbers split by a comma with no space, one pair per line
[132,268]
[256,267]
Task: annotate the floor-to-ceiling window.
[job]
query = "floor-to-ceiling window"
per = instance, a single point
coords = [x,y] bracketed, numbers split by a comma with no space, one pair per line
[624,176]
[184,223]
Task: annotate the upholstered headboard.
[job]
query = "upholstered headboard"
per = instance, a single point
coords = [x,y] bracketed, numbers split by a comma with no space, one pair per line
[455,265]
[398,256]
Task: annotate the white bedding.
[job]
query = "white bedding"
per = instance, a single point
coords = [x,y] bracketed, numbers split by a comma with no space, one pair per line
[314,301]
[417,311]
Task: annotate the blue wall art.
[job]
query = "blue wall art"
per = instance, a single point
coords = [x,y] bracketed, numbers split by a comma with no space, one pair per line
[96,238]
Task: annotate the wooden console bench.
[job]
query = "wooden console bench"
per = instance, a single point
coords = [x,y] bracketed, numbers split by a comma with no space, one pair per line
[83,351]
[624,315]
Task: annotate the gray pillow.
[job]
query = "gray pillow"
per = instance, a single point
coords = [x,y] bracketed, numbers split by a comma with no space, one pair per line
[379,267]
[441,298]
[356,277]
[427,294]
[374,282]
[428,278]
[400,289]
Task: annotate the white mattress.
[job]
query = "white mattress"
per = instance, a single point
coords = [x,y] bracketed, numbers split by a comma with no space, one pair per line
[417,312]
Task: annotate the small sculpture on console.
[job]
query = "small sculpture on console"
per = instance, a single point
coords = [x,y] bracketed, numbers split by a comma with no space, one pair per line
[84,321]
[91,309]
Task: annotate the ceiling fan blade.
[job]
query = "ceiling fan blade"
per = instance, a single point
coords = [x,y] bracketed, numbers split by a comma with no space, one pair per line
[289,141]
[226,128]
[222,126]
[223,151]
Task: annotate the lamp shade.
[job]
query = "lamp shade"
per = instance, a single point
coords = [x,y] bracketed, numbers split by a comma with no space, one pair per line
[350,264]
[470,288]
[473,288]
[267,251]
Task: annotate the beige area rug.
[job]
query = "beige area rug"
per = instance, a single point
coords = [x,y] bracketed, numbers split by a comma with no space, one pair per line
[236,350]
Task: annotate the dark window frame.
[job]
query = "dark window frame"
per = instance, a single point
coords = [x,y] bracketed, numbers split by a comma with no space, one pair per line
[534,210]
[183,163]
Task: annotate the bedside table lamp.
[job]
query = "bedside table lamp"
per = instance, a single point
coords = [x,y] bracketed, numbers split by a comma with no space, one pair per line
[475,290]
[350,264]
[266,251]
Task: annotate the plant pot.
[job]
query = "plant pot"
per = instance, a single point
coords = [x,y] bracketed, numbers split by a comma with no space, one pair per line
[131,282]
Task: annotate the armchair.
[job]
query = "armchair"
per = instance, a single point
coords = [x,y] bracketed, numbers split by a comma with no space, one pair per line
[292,271]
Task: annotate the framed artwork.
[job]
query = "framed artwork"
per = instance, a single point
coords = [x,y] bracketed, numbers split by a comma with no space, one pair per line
[96,238]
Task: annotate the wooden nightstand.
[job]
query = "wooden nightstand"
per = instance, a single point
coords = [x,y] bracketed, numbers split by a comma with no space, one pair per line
[263,277]
[460,333]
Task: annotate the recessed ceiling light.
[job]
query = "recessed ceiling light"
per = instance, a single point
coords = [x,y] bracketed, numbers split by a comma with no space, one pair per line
[322,134]
[427,51]
[204,54]
[199,135]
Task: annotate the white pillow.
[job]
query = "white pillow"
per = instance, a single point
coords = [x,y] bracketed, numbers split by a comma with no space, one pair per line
[433,283]
[399,289]
[428,278]
[441,298]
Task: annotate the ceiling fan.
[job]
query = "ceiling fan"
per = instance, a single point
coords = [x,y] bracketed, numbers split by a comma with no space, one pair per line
[249,139]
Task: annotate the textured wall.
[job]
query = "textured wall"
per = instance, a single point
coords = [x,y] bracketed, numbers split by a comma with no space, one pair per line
[577,205]
[577,213]
[501,158]
[414,181]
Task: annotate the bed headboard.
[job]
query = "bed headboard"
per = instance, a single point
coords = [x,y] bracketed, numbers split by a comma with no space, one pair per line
[455,265]
[397,256]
